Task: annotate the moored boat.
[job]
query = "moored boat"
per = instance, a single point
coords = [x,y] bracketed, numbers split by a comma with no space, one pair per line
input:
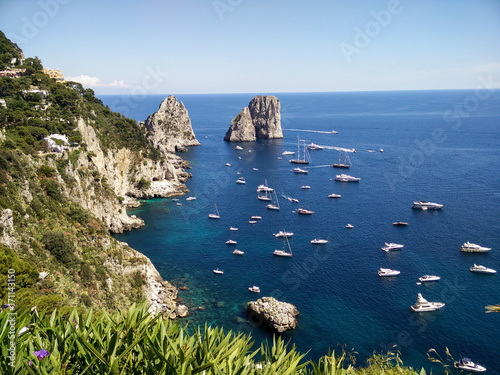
[318,241]
[218,271]
[346,178]
[231,242]
[466,364]
[349,226]
[482,269]
[469,247]
[303,211]
[424,205]
[283,233]
[254,289]
[427,278]
[300,171]
[389,246]
[238,252]
[399,224]
[423,305]
[334,195]
[383,272]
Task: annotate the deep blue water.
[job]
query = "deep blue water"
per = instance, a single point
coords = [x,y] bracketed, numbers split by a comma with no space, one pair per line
[428,155]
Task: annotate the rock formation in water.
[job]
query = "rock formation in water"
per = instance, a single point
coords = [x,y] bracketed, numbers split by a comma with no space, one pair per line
[260,120]
[170,127]
[276,315]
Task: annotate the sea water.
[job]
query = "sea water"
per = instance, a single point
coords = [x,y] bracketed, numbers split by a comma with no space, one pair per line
[439,146]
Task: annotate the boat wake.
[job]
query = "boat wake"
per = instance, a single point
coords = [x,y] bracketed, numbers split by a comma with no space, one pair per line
[338,148]
[312,131]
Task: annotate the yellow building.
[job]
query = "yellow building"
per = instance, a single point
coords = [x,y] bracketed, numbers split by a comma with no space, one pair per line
[54,73]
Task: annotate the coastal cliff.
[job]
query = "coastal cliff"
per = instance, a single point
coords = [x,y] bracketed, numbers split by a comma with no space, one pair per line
[260,120]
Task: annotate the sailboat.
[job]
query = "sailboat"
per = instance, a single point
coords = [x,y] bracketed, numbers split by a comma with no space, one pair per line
[275,205]
[265,197]
[305,158]
[284,253]
[347,162]
[216,215]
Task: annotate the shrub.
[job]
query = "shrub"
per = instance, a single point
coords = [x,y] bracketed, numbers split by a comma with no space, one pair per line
[60,246]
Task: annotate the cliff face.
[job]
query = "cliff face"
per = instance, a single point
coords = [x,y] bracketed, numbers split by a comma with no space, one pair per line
[170,127]
[260,120]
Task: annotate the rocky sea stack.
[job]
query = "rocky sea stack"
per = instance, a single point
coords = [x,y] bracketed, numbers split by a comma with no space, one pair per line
[170,127]
[260,120]
[277,316]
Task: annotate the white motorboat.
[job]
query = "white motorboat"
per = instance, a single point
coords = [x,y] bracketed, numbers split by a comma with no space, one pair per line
[239,148]
[218,271]
[282,233]
[255,169]
[238,252]
[228,165]
[424,205]
[426,278]
[303,211]
[305,187]
[349,226]
[482,269]
[400,224]
[334,196]
[254,289]
[294,200]
[191,198]
[346,178]
[382,272]
[423,305]
[241,180]
[233,228]
[469,247]
[306,159]
[467,365]
[300,171]
[389,246]
[175,199]
[284,253]
[314,146]
[255,217]
[288,153]
[252,222]
[179,204]
[231,242]
[318,241]
[264,188]
[214,215]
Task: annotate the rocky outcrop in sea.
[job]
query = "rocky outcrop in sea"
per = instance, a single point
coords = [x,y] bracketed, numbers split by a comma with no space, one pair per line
[260,120]
[275,315]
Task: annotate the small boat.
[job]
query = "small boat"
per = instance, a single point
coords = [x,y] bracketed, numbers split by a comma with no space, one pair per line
[389,246]
[231,242]
[318,241]
[239,158]
[255,169]
[279,158]
[473,248]
[467,365]
[284,253]
[275,205]
[216,215]
[347,161]
[264,197]
[305,158]
[382,272]
[252,222]
[314,146]
[334,196]
[371,150]
[346,178]
[381,150]
[233,228]
[294,200]
[305,187]
[423,305]
[334,132]
[303,211]
[228,165]
[218,271]
[300,171]
[191,198]
[424,205]
[238,252]
[175,199]
[282,234]
[399,224]
[482,269]
[179,204]
[241,180]
[239,148]
[264,188]
[254,289]
[349,226]
[426,278]
[288,153]
[255,217]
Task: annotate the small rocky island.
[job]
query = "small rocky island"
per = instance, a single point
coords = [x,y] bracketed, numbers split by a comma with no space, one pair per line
[275,315]
[260,120]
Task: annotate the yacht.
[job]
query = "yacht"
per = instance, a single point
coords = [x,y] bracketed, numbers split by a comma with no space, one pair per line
[389,246]
[334,196]
[238,252]
[254,289]
[264,188]
[239,148]
[264,197]
[255,217]
[255,169]
[252,222]
[473,248]
[288,153]
[218,271]
[215,215]
[482,269]
[388,272]
[346,178]
[305,187]
[303,211]
[467,365]
[317,241]
[423,305]
[191,198]
[399,224]
[231,242]
[300,171]
[233,228]
[425,278]
[314,146]
[284,253]
[241,180]
[282,233]
[349,226]
[305,156]
[424,205]
[275,205]
[294,200]
[228,165]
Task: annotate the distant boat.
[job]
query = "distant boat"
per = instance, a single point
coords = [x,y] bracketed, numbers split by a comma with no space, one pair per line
[482,269]
[255,169]
[175,199]
[389,246]
[334,196]
[305,187]
[255,217]
[349,226]
[300,171]
[275,205]
[218,271]
[241,180]
[347,161]
[239,148]
[334,132]
[252,222]
[424,205]
[388,272]
[284,253]
[469,247]
[179,204]
[238,252]
[381,150]
[371,150]
[190,198]
[427,278]
[294,200]
[288,153]
[264,188]
[303,211]
[231,242]
[423,305]
[399,223]
[318,241]
[233,229]
[254,289]
[282,234]
[306,159]
[467,365]
[314,146]
[346,178]
[228,165]
[216,215]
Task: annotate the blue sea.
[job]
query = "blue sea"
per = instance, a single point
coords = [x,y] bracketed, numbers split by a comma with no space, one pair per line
[439,146]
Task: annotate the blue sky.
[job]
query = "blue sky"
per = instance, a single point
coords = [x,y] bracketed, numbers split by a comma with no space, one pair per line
[260,46]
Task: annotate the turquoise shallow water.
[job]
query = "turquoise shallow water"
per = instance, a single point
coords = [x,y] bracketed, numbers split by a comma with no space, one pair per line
[428,155]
